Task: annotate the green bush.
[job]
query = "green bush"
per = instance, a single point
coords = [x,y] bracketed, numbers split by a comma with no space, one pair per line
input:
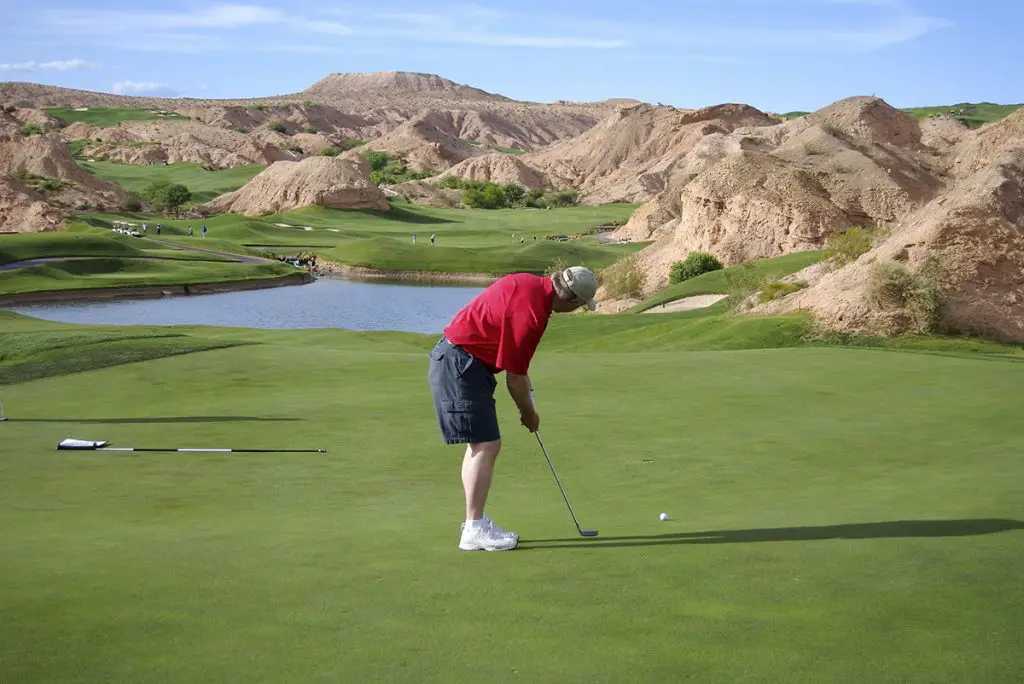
[31,129]
[565,198]
[624,278]
[777,289]
[310,130]
[330,152]
[845,246]
[352,143]
[21,174]
[132,202]
[695,264]
[378,160]
[490,197]
[54,185]
[166,196]
[276,126]
[915,296]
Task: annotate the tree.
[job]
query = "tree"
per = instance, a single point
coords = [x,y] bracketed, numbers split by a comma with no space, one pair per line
[514,193]
[177,196]
[165,196]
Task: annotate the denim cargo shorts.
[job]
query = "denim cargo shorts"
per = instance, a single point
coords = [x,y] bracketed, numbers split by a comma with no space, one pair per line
[463,391]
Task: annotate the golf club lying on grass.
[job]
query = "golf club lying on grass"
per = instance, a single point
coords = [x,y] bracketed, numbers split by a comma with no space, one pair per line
[583,533]
[89,445]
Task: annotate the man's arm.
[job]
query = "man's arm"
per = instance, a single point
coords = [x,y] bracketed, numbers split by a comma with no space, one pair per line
[519,388]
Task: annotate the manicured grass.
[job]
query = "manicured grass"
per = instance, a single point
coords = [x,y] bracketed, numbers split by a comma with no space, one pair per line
[87,273]
[477,241]
[836,515]
[715,281]
[25,246]
[106,117]
[974,115]
[205,185]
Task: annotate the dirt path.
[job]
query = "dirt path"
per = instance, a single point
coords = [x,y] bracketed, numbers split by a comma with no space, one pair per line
[688,303]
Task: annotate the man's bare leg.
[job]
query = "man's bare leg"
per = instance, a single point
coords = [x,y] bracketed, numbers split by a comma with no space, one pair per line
[477,471]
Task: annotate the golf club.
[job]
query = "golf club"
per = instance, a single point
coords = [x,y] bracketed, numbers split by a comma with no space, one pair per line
[583,533]
[89,445]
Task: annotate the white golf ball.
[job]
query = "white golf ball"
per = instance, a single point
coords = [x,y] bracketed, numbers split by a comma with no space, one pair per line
[663,516]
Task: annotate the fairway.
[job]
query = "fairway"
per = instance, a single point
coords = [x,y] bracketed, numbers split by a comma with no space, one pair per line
[106,117]
[205,185]
[467,241]
[836,515]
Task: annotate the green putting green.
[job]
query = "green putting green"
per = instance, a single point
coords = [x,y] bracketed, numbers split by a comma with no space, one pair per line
[836,514]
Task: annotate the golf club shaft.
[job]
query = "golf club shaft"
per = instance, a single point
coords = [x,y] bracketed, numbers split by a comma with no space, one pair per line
[558,482]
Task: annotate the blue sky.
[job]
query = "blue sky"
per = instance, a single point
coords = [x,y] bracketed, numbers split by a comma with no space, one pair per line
[777,55]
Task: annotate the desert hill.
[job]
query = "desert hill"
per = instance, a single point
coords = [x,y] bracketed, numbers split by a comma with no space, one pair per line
[966,247]
[334,182]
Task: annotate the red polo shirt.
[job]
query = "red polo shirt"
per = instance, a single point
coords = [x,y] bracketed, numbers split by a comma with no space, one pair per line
[503,325]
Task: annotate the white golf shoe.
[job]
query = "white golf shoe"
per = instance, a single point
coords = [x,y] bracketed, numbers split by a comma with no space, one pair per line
[487,537]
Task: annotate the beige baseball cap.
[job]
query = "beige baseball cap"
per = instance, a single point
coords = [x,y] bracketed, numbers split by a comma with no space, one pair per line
[583,283]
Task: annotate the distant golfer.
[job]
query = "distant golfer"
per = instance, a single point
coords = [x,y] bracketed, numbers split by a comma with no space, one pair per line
[433,239]
[204,232]
[414,238]
[498,331]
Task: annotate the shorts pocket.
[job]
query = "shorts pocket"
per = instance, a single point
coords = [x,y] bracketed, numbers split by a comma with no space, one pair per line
[438,352]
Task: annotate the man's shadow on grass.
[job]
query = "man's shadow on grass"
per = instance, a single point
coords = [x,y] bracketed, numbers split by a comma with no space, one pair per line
[156,420]
[877,530]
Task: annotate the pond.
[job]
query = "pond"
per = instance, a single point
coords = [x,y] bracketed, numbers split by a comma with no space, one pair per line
[324,303]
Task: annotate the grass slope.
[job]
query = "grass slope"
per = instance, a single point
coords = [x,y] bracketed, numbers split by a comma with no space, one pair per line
[715,282]
[974,115]
[88,273]
[107,117]
[835,515]
[467,241]
[205,185]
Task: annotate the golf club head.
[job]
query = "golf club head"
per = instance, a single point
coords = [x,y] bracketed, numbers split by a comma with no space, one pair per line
[588,533]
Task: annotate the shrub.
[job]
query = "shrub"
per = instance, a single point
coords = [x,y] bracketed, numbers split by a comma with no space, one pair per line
[353,143]
[132,202]
[310,130]
[833,131]
[777,289]
[490,197]
[566,198]
[624,278]
[31,129]
[378,160]
[21,174]
[695,264]
[514,193]
[308,103]
[917,297]
[276,126]
[53,185]
[165,196]
[330,152]
[845,246]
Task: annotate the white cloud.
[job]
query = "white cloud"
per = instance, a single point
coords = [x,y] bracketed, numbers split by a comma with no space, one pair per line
[56,65]
[144,88]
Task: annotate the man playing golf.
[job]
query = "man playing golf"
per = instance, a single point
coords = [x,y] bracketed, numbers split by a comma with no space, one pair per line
[498,331]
